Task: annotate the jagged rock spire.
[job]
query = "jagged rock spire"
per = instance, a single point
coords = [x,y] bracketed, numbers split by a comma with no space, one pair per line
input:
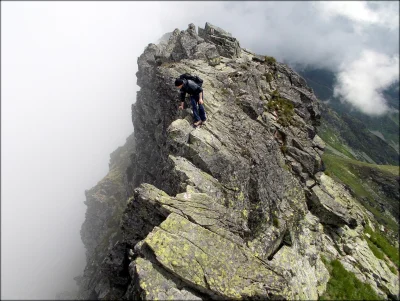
[210,44]
[227,45]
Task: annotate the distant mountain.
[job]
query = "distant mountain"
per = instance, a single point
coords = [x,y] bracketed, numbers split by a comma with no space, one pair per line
[351,136]
[365,138]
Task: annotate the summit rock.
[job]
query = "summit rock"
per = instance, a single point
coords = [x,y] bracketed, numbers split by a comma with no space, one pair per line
[238,208]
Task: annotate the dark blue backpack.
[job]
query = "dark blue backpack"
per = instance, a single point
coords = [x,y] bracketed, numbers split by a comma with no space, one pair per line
[195,78]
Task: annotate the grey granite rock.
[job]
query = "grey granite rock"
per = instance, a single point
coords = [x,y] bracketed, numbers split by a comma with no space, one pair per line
[237,208]
[227,45]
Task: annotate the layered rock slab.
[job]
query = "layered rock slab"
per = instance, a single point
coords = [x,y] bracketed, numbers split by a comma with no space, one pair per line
[151,283]
[333,203]
[211,263]
[307,282]
[155,205]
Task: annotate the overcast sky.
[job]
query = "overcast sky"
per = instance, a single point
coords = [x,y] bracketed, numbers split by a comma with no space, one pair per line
[68,81]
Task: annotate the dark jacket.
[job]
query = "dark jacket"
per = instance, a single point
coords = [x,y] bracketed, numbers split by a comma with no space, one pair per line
[189,87]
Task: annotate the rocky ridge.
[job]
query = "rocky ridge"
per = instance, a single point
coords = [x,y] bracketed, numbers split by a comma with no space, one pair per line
[238,208]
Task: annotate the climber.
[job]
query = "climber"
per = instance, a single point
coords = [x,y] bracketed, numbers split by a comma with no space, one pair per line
[192,85]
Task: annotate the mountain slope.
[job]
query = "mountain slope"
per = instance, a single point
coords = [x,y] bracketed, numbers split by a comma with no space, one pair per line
[350,136]
[235,209]
[375,186]
[370,139]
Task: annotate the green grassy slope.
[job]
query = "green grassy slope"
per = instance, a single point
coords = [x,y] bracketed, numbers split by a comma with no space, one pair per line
[343,285]
[350,136]
[375,186]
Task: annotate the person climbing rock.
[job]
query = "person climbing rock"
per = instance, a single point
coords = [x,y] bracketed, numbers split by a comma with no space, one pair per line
[192,85]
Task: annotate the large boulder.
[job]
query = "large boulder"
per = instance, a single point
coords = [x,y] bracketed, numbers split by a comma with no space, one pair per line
[328,203]
[152,283]
[212,264]
[227,45]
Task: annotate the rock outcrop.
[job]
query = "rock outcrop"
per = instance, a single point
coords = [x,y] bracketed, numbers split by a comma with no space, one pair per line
[236,209]
[227,45]
[100,231]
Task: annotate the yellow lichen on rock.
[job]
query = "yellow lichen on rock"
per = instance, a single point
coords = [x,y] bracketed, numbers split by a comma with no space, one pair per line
[206,262]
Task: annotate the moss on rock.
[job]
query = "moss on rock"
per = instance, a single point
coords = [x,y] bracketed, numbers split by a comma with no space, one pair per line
[211,263]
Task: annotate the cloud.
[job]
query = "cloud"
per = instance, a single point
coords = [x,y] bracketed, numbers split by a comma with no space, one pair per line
[68,81]
[328,35]
[362,13]
[361,83]
[298,32]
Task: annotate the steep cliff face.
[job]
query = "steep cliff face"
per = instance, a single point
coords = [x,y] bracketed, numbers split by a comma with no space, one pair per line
[238,208]
[100,231]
